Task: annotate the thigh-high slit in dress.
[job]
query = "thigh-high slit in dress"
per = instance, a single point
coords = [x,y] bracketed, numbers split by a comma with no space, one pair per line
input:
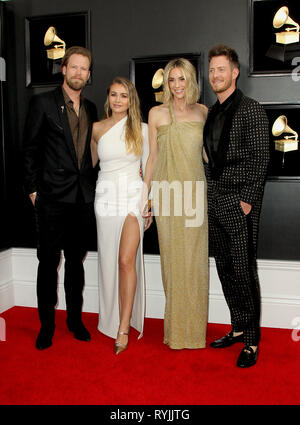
[118,193]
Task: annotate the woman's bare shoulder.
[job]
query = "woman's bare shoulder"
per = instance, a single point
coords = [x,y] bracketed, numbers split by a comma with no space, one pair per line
[201,107]
[100,127]
[158,109]
[202,110]
[101,124]
[159,115]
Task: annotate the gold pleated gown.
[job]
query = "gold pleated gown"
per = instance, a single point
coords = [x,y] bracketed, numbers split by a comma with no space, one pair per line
[183,249]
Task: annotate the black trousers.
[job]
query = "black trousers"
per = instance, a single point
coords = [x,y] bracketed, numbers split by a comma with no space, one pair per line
[67,227]
[233,238]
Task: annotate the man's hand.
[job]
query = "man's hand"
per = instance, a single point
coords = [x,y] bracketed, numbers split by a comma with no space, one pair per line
[246,207]
[32,197]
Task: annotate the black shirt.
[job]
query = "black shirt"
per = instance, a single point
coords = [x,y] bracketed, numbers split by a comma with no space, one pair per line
[215,124]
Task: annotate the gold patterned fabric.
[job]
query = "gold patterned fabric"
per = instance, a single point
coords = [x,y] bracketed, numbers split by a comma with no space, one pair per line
[183,248]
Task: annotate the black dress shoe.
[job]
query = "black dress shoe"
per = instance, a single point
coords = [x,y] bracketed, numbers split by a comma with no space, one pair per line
[44,339]
[247,357]
[80,331]
[227,340]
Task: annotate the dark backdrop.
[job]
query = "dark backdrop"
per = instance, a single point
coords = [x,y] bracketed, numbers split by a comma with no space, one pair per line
[121,30]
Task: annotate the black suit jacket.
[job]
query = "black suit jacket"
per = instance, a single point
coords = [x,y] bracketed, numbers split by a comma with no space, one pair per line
[50,162]
[239,170]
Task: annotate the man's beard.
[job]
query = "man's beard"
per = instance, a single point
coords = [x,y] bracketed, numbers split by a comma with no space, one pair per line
[218,89]
[76,84]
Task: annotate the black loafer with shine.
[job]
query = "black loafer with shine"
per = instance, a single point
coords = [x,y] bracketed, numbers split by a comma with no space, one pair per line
[247,357]
[227,340]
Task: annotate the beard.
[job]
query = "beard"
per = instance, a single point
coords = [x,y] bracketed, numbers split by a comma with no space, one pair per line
[221,88]
[75,84]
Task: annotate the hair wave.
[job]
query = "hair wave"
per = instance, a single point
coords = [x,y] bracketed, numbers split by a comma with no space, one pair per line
[133,129]
[192,92]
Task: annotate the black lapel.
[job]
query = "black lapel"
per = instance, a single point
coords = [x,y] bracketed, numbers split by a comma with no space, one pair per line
[225,135]
[207,123]
[65,122]
[88,136]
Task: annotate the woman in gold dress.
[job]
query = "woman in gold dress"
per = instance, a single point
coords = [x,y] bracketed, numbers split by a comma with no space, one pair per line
[175,171]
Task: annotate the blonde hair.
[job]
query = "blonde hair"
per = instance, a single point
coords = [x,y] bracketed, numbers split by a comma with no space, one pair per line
[133,129]
[192,92]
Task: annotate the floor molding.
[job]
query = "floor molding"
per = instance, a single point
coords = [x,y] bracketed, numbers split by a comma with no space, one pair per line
[280,289]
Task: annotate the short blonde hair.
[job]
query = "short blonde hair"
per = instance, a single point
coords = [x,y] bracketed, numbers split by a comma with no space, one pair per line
[133,129]
[192,92]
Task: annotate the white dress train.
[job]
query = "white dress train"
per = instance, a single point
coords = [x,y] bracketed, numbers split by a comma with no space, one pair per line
[118,193]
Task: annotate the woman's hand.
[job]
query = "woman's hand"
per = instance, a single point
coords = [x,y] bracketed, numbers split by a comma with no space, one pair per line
[148,222]
[146,211]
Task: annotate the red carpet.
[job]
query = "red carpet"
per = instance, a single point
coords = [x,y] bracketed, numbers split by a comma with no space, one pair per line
[148,373]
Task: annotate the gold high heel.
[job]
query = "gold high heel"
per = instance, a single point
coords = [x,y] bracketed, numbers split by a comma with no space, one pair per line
[119,347]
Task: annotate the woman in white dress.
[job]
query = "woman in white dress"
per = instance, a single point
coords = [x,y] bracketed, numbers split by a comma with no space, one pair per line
[120,142]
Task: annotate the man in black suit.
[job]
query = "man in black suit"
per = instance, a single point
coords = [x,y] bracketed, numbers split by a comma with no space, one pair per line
[236,140]
[60,181]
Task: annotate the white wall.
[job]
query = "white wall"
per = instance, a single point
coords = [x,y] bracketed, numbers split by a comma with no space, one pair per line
[280,287]
[6,281]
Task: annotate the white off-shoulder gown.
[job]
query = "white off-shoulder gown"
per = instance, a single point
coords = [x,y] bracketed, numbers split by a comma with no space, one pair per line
[118,193]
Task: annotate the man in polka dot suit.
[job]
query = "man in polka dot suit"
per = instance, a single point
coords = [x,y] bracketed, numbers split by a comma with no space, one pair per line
[236,141]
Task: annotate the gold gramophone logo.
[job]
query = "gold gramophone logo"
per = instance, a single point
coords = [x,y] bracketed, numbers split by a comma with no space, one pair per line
[291,32]
[157,83]
[287,143]
[58,46]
